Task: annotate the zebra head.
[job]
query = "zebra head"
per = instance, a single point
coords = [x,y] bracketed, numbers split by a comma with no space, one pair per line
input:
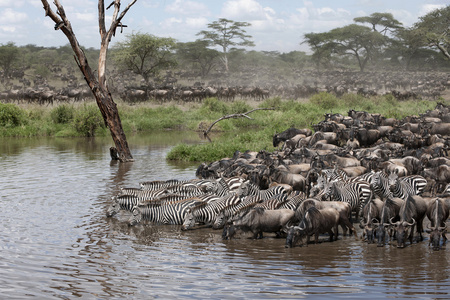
[136,217]
[219,221]
[114,208]
[189,220]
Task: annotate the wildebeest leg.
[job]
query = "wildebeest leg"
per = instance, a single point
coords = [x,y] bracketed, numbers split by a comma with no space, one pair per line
[330,232]
[316,237]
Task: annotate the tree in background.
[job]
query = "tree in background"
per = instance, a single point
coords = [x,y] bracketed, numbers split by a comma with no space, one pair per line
[145,54]
[198,55]
[435,26]
[226,34]
[9,54]
[356,40]
[320,45]
[98,84]
[386,21]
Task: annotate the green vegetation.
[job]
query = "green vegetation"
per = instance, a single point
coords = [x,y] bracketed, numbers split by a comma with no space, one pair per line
[227,135]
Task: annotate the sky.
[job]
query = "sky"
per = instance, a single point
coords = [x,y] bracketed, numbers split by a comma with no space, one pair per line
[276,25]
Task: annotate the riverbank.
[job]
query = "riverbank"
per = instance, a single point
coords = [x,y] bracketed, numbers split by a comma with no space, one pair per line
[229,135]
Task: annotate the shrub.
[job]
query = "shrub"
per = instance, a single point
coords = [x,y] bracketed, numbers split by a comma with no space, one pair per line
[11,115]
[62,114]
[324,100]
[87,120]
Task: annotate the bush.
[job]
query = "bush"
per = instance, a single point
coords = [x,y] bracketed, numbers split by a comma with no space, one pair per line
[87,120]
[62,114]
[214,105]
[11,115]
[324,100]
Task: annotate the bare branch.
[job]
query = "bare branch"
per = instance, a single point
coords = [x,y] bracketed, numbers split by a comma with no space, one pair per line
[233,116]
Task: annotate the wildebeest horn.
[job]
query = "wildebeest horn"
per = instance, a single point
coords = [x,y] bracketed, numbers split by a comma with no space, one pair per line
[411,224]
[390,221]
[374,220]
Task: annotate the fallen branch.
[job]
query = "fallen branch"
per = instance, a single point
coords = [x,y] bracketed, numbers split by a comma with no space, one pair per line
[233,116]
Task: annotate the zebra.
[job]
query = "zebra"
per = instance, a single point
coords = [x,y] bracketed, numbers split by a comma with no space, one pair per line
[229,212]
[248,189]
[206,212]
[140,193]
[379,182]
[356,193]
[294,201]
[125,202]
[401,187]
[273,203]
[159,184]
[219,187]
[172,213]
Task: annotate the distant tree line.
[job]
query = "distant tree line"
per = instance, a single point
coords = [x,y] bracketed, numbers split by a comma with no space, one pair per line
[375,42]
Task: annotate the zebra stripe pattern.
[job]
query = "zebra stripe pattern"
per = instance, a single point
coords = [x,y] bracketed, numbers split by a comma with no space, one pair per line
[355,193]
[206,212]
[407,185]
[172,213]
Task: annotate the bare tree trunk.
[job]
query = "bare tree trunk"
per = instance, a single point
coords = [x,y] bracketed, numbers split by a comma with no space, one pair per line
[106,104]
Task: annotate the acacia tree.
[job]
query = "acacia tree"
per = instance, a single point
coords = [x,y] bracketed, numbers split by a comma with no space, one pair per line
[320,45]
[356,40]
[98,84]
[145,54]
[436,27]
[227,33]
[386,21]
[8,55]
[199,55]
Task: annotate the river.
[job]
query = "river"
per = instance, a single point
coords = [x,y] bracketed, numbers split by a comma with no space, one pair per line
[57,243]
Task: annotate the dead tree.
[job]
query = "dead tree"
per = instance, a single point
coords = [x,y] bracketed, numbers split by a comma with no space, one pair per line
[97,85]
[233,116]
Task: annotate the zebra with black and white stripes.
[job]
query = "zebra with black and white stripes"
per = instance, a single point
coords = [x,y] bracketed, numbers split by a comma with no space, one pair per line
[172,213]
[356,193]
[250,189]
[229,212]
[160,184]
[401,187]
[206,212]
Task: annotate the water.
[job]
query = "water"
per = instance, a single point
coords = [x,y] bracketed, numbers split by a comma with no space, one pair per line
[56,242]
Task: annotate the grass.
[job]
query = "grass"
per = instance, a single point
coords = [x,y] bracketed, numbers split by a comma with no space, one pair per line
[84,119]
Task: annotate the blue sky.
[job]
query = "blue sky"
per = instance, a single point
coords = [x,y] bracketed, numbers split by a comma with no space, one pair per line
[277,25]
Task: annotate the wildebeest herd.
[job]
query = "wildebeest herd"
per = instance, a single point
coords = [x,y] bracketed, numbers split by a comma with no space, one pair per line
[388,175]
[302,85]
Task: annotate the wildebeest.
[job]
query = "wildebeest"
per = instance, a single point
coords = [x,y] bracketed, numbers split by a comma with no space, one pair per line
[314,222]
[389,213]
[259,220]
[437,213]
[289,133]
[371,214]
[344,209]
[411,214]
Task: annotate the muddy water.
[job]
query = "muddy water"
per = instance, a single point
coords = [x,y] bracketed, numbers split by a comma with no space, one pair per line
[56,243]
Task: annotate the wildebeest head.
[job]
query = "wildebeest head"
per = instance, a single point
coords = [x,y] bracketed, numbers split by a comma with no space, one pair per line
[369,230]
[294,234]
[403,230]
[435,236]
[228,232]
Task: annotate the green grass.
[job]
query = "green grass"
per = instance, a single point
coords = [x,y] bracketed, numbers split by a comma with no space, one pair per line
[228,135]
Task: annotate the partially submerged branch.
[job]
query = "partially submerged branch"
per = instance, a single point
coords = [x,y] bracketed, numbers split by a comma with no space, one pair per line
[233,116]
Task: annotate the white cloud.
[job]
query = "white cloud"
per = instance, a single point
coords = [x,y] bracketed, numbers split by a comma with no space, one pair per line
[8,16]
[426,8]
[186,7]
[248,10]
[199,23]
